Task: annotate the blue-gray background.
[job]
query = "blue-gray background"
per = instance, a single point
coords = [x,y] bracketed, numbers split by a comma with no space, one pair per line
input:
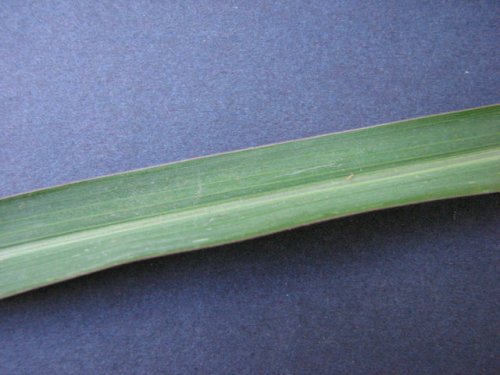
[93,87]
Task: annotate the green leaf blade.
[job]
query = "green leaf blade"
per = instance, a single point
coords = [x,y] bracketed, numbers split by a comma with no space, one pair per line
[59,233]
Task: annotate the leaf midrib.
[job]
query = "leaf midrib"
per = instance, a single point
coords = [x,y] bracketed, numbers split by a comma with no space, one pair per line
[477,156]
[268,188]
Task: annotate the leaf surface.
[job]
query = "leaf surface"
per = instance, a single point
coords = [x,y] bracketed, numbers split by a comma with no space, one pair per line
[59,233]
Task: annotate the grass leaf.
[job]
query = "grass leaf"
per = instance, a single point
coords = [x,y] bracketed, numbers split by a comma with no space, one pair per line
[59,233]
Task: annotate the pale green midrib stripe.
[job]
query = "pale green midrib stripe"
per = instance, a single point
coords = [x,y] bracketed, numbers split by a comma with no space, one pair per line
[340,174]
[422,126]
[111,230]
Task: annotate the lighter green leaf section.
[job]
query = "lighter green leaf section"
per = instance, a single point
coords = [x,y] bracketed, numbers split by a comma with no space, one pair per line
[63,232]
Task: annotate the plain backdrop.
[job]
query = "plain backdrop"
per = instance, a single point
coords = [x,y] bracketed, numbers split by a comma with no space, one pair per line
[89,88]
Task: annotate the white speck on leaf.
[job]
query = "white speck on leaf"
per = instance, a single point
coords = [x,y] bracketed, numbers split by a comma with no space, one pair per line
[200,240]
